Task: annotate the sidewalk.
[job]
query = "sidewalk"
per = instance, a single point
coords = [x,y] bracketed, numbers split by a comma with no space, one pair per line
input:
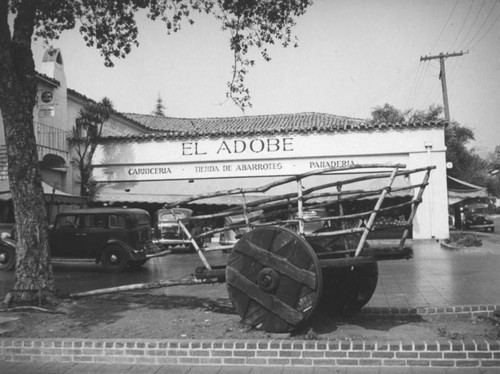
[437,277]
[71,368]
[435,280]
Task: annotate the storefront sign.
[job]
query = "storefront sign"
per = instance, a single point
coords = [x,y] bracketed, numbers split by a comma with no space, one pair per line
[264,156]
[233,169]
[203,150]
[239,146]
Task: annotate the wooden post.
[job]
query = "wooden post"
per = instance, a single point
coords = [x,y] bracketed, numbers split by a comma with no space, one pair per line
[245,211]
[144,286]
[373,215]
[191,239]
[414,207]
[341,214]
[300,211]
[442,76]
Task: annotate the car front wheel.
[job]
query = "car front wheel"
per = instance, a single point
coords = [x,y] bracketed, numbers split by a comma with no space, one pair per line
[114,258]
[7,258]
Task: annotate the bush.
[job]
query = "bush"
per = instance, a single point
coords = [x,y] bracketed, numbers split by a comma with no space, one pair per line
[460,239]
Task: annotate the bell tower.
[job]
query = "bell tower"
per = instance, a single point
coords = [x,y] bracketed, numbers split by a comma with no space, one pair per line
[53,65]
[52,103]
[51,122]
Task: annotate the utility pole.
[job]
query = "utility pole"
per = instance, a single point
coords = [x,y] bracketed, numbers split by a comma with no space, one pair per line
[442,76]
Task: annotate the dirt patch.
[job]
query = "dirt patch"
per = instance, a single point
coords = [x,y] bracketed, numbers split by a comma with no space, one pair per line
[156,316]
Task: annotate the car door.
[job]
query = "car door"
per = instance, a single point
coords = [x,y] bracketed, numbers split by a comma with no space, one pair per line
[93,234]
[65,238]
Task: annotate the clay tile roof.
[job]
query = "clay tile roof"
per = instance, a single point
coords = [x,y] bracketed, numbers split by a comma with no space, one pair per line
[89,100]
[169,127]
[48,79]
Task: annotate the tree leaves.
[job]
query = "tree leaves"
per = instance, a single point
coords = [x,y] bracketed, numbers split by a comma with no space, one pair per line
[158,110]
[387,114]
[110,26]
[85,135]
[390,114]
[467,165]
[255,24]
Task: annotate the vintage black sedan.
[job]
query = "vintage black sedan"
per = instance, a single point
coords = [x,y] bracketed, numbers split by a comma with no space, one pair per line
[117,238]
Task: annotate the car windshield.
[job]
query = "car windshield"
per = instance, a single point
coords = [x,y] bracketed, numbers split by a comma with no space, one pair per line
[167,217]
[479,211]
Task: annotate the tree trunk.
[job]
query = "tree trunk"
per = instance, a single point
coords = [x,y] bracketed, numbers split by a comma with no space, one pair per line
[18,87]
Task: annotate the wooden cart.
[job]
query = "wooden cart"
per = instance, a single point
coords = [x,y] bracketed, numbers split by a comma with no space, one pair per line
[278,272]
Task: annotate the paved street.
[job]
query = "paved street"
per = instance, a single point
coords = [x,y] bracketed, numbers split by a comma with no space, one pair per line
[434,277]
[76,277]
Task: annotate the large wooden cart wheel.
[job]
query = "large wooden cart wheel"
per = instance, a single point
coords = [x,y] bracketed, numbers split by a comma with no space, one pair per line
[349,289]
[273,279]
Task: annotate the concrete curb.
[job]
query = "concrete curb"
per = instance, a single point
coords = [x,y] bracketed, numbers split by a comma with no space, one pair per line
[459,310]
[442,353]
[449,246]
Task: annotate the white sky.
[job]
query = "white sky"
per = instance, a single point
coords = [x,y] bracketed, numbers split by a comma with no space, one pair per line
[353,55]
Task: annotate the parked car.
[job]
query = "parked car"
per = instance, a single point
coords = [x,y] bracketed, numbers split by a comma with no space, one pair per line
[230,237]
[476,218]
[7,252]
[451,221]
[114,237]
[169,233]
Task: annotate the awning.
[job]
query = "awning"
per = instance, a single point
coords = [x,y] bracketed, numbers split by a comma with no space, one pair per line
[171,191]
[459,190]
[52,195]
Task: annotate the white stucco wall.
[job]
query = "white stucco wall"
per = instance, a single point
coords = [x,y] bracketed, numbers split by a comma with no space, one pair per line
[245,161]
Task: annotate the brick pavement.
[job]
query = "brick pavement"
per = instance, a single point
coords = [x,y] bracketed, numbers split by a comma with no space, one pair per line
[431,354]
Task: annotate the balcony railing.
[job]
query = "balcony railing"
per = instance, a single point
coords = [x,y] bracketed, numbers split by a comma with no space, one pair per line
[51,140]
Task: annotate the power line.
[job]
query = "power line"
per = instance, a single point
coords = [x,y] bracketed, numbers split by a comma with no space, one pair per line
[419,85]
[444,26]
[396,84]
[472,23]
[413,85]
[481,27]
[463,25]
[431,90]
[487,31]
[435,97]
[455,69]
[429,66]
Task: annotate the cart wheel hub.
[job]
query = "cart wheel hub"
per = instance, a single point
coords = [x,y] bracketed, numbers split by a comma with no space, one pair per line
[113,258]
[3,257]
[268,279]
